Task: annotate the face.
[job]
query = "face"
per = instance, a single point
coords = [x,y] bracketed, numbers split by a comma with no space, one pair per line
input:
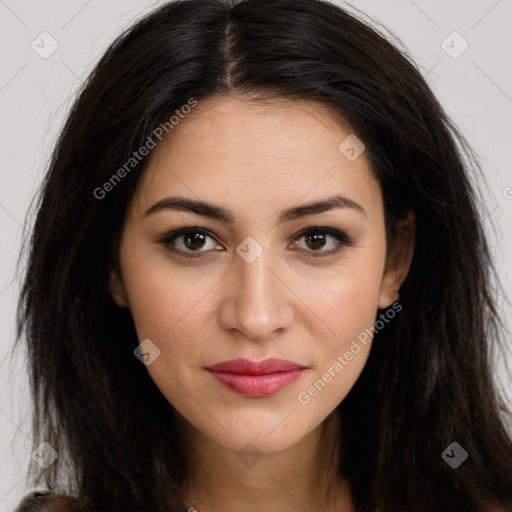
[256,275]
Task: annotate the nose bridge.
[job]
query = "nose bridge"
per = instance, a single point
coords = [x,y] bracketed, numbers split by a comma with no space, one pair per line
[257,304]
[252,270]
[255,281]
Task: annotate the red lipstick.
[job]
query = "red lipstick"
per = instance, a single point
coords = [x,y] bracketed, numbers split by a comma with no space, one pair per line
[256,379]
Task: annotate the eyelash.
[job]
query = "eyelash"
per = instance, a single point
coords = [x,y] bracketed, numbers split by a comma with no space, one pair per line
[341,238]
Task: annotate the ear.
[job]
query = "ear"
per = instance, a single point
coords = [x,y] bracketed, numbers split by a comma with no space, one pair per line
[398,261]
[117,290]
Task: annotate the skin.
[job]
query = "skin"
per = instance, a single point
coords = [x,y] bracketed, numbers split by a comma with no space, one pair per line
[256,160]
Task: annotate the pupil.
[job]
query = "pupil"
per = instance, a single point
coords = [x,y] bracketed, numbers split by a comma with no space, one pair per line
[317,240]
[195,238]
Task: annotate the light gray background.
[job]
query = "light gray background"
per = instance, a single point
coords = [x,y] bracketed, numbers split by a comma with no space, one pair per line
[35,93]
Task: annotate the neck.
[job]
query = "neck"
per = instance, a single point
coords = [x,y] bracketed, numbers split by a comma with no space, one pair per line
[303,476]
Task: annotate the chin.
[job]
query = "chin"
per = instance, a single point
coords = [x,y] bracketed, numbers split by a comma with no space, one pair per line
[269,433]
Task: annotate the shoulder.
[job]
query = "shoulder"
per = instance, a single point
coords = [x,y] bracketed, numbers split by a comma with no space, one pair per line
[44,501]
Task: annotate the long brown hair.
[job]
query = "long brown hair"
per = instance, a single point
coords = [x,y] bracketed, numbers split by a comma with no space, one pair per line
[428,380]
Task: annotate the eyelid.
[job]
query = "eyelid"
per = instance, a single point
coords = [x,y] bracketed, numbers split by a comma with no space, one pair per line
[342,239]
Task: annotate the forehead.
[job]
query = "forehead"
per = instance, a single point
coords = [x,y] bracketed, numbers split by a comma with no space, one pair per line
[271,149]
[237,128]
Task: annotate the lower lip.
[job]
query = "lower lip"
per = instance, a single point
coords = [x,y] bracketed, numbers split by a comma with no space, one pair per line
[257,386]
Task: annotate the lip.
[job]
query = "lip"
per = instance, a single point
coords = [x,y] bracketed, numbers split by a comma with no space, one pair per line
[256,379]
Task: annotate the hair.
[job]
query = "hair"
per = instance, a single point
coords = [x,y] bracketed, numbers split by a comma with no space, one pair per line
[428,381]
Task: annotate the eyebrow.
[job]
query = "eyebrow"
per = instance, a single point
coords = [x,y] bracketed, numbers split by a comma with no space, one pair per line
[216,212]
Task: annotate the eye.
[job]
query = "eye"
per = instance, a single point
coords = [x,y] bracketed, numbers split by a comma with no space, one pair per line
[322,241]
[188,241]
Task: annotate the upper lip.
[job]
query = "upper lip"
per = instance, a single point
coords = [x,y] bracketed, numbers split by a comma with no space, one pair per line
[246,367]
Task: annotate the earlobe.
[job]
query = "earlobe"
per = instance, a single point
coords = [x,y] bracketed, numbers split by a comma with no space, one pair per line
[117,290]
[399,261]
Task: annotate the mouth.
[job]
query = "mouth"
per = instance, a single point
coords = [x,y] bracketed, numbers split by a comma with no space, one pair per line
[256,379]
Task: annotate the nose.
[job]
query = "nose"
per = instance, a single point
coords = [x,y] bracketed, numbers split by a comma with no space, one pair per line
[257,302]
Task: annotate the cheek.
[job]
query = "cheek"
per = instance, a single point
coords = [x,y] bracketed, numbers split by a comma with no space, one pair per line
[162,297]
[345,306]
[172,313]
[341,353]
[346,300]
[161,305]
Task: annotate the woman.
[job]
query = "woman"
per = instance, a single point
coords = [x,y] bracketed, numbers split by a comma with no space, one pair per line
[258,278]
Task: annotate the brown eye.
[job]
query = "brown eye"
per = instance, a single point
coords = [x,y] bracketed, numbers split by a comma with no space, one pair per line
[315,240]
[322,241]
[190,242]
[194,241]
